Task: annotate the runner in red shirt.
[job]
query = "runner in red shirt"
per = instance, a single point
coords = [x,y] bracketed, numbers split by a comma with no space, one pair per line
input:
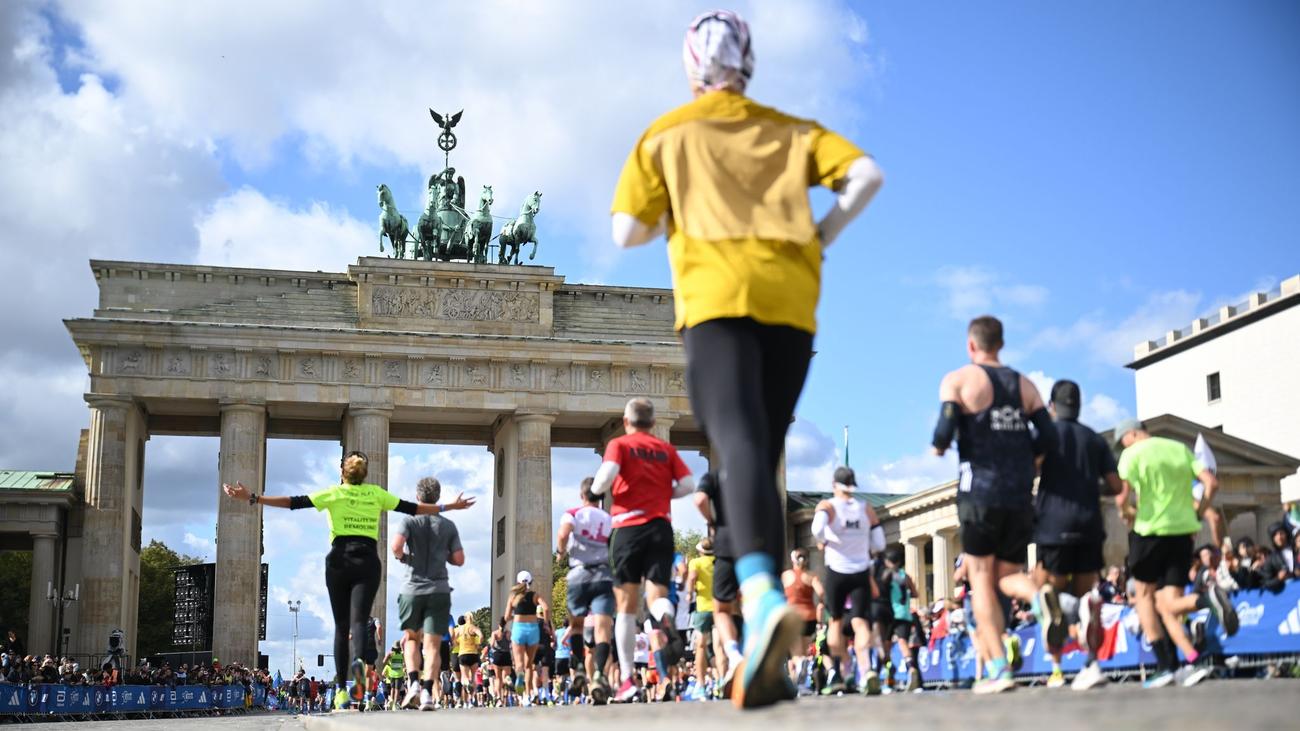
[643,474]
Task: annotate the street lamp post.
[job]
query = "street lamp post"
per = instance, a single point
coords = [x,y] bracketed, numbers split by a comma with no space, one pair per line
[59,599]
[295,607]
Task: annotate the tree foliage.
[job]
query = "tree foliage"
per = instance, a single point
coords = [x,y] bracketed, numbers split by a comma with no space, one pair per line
[16,578]
[158,596]
[685,542]
[483,620]
[559,591]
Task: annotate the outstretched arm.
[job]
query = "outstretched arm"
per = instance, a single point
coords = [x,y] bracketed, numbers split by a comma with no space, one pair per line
[239,492]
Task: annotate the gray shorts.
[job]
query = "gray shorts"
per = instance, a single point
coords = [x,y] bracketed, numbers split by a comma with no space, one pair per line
[591,597]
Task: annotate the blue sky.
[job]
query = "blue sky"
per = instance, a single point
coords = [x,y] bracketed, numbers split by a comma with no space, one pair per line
[1095,174]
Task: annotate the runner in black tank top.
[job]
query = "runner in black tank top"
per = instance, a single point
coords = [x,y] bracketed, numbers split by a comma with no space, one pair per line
[989,409]
[997,454]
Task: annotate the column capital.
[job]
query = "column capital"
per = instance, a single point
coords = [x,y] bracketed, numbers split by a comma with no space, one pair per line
[535,416]
[919,539]
[385,410]
[947,532]
[109,400]
[257,406]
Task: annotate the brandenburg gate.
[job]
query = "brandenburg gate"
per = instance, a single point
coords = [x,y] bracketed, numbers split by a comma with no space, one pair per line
[510,357]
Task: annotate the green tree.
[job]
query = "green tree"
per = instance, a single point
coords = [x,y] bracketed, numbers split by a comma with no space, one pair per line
[685,542]
[16,578]
[158,596]
[559,591]
[483,620]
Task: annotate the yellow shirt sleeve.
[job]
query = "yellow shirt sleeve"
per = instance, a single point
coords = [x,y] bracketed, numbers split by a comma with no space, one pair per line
[641,191]
[829,158]
[387,500]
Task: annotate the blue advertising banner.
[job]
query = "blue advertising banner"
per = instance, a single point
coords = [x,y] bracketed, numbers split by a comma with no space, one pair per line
[13,699]
[131,698]
[1269,624]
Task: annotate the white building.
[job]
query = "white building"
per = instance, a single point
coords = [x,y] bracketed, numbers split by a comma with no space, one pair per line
[1235,371]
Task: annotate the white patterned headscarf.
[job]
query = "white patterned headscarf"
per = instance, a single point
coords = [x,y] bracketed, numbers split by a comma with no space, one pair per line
[717,52]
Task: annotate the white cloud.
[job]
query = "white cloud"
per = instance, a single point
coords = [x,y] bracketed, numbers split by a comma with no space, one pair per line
[202,545]
[912,472]
[1110,341]
[972,290]
[247,229]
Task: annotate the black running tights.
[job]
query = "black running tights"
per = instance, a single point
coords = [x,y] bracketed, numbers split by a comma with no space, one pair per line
[352,572]
[744,379]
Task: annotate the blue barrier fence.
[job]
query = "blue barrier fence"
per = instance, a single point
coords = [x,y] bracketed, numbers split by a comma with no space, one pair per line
[122,699]
[1269,625]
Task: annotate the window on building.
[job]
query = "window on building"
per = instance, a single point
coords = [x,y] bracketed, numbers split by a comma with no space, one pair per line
[1212,387]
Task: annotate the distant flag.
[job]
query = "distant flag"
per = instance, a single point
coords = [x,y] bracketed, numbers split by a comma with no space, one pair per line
[278,680]
[1206,457]
[846,446]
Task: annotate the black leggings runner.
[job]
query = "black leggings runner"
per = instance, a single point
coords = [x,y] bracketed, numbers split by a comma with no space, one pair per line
[744,380]
[352,572]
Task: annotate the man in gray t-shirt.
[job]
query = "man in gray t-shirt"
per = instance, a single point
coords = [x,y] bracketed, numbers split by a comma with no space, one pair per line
[425,544]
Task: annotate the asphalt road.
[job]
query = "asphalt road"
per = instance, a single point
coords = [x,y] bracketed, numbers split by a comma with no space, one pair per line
[1235,705]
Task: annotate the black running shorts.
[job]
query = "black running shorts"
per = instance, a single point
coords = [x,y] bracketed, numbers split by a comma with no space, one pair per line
[1081,558]
[906,630]
[1002,533]
[841,588]
[1160,560]
[643,551]
[725,584]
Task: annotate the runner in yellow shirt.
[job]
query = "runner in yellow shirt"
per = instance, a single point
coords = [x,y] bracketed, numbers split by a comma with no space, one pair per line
[699,584]
[726,179]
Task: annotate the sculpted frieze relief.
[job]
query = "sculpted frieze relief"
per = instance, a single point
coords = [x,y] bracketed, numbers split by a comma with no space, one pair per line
[455,304]
[399,371]
[352,369]
[393,371]
[130,362]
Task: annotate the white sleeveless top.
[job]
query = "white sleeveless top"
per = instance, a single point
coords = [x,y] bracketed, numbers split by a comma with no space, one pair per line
[849,549]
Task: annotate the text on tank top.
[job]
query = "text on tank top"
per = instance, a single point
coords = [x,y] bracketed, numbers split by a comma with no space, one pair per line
[589,540]
[995,447]
[850,552]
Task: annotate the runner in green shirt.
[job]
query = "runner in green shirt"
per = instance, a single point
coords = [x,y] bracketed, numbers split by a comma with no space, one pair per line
[352,567]
[1158,473]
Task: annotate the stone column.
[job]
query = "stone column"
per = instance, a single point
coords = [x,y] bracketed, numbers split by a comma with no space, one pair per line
[663,428]
[367,431]
[532,504]
[110,559]
[242,458]
[914,565]
[40,612]
[941,566]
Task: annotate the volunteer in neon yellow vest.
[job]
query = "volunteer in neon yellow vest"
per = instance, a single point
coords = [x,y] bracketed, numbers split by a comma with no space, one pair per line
[352,568]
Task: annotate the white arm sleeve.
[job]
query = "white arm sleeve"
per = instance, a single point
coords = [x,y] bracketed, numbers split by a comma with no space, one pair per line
[684,487]
[821,520]
[604,477]
[861,182]
[628,231]
[877,543]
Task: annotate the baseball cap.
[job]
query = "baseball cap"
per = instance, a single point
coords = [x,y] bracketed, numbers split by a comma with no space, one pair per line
[844,476]
[523,577]
[1065,399]
[1122,428]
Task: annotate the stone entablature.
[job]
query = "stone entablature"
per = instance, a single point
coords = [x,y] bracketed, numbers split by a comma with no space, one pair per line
[387,295]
